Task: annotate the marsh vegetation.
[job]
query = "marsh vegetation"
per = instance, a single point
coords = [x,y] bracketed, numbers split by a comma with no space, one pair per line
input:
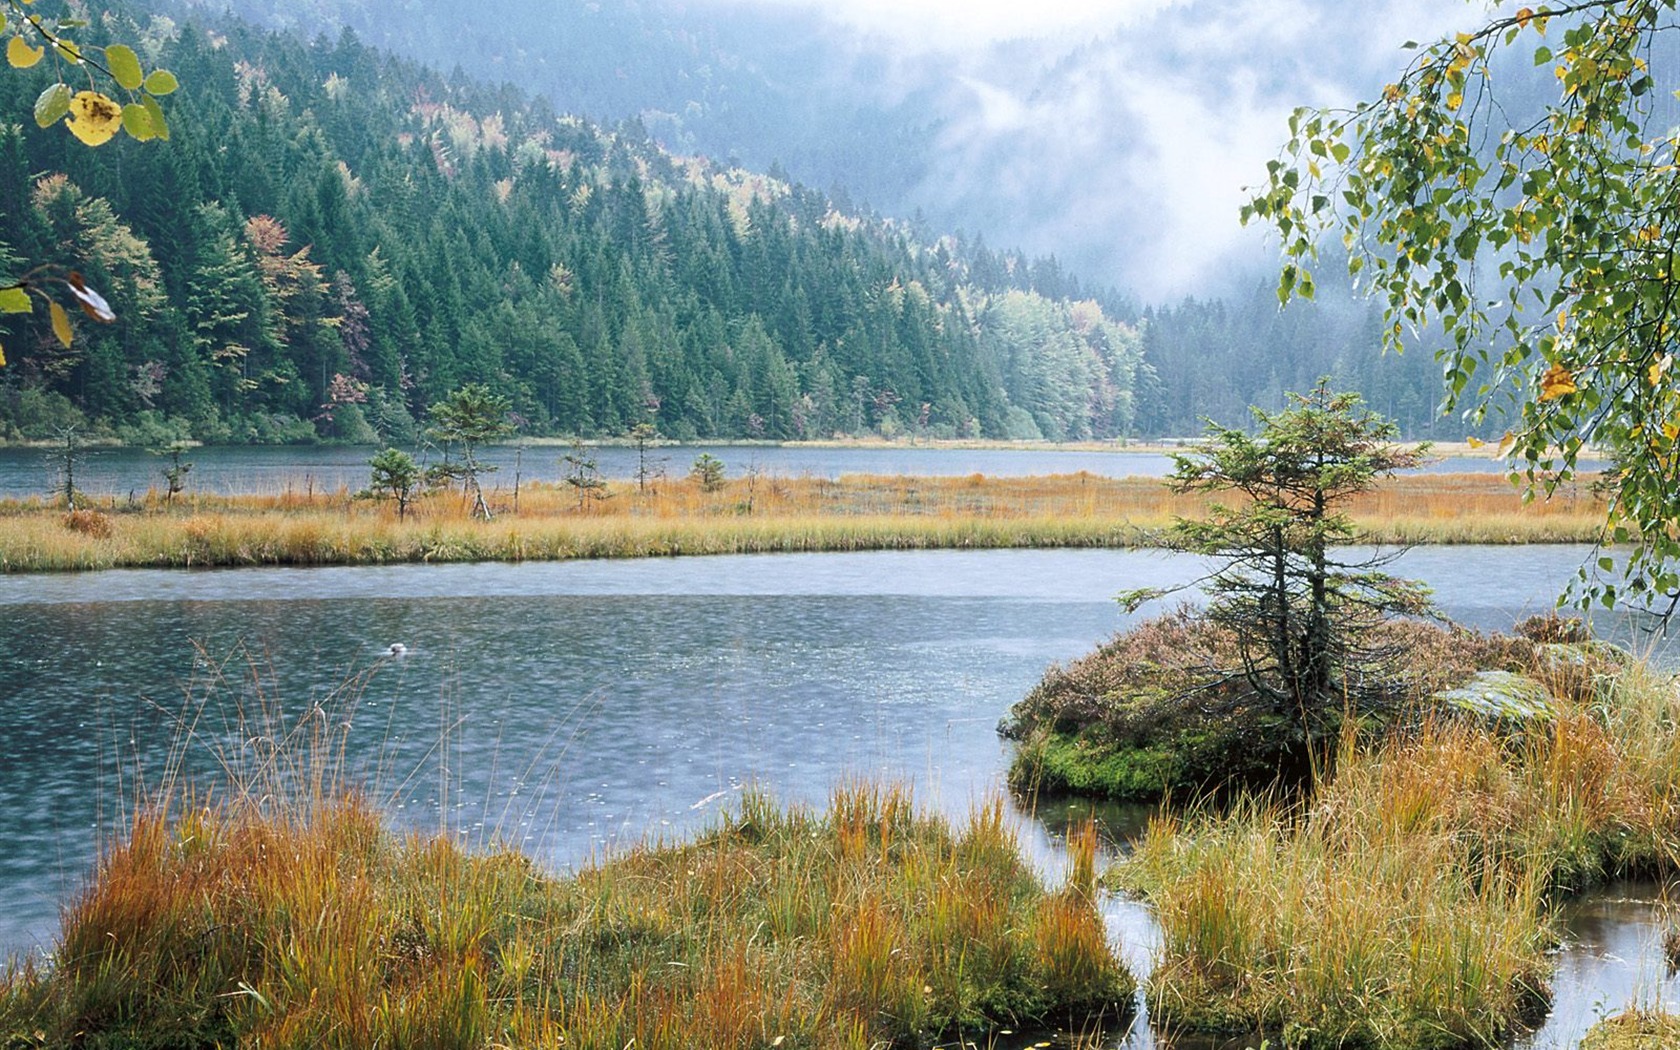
[755,514]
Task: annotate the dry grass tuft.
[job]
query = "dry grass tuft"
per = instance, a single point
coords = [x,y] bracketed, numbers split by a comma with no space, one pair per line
[285,914]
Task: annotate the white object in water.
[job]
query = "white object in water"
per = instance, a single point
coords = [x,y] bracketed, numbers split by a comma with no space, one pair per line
[397,649]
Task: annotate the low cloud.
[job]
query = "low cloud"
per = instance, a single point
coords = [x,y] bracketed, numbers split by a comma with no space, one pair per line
[1128,158]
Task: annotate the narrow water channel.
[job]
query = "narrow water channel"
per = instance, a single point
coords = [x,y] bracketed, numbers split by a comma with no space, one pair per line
[571,707]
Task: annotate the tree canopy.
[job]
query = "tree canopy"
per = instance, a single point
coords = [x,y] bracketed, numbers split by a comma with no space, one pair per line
[1517,188]
[1287,586]
[335,240]
[92,117]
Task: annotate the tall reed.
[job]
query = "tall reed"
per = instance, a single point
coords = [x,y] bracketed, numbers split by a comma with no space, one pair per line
[285,914]
[1407,903]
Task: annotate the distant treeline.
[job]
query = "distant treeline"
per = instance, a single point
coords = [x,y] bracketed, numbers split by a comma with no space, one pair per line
[334,239]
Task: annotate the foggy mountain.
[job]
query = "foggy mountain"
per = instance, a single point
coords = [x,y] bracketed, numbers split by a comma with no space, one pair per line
[1121,149]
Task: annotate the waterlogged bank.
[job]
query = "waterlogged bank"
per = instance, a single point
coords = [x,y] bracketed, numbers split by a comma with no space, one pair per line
[758,514]
[253,470]
[1409,903]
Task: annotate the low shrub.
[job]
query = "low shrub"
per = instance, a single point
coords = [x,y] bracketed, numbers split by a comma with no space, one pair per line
[1164,708]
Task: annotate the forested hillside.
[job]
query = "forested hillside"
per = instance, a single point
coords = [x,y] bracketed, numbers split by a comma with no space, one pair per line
[1213,358]
[334,239]
[914,129]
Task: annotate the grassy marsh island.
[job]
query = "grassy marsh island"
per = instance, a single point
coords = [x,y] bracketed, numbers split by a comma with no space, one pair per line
[745,515]
[306,923]
[1383,808]
[1403,895]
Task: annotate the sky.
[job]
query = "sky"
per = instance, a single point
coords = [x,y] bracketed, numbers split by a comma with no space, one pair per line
[947,23]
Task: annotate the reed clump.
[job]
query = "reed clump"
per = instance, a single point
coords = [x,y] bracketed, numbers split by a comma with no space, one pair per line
[1634,1030]
[301,920]
[1407,900]
[747,515]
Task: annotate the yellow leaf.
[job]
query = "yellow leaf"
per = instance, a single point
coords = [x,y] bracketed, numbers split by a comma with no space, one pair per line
[1671,431]
[161,82]
[1475,442]
[61,324]
[1523,15]
[1557,382]
[21,55]
[160,127]
[2,357]
[94,118]
[1563,319]
[1455,100]
[1658,369]
[1505,443]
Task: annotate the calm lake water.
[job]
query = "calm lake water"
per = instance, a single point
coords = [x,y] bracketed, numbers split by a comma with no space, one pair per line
[569,707]
[239,470]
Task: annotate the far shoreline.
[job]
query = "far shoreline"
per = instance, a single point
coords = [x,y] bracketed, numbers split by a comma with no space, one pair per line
[1118,446]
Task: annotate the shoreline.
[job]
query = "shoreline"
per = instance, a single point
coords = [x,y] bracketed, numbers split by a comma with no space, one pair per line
[1117,446]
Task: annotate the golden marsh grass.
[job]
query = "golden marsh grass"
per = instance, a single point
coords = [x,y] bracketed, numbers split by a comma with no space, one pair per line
[280,911]
[749,515]
[1408,904]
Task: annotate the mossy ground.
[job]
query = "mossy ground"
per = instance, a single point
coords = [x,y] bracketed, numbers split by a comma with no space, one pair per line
[1156,712]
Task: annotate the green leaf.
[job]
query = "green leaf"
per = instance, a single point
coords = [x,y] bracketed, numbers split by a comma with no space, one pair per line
[15,300]
[124,65]
[137,121]
[161,82]
[52,104]
[160,127]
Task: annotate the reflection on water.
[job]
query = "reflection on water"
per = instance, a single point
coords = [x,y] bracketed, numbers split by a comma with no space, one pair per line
[1611,958]
[567,707]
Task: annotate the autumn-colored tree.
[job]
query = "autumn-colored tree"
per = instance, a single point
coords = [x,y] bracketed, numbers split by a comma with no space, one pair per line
[91,116]
[1538,229]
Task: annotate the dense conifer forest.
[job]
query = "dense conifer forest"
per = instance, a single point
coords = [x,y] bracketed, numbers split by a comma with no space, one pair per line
[335,238]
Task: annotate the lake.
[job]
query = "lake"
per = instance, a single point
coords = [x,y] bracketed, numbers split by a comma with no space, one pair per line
[567,707]
[238,470]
